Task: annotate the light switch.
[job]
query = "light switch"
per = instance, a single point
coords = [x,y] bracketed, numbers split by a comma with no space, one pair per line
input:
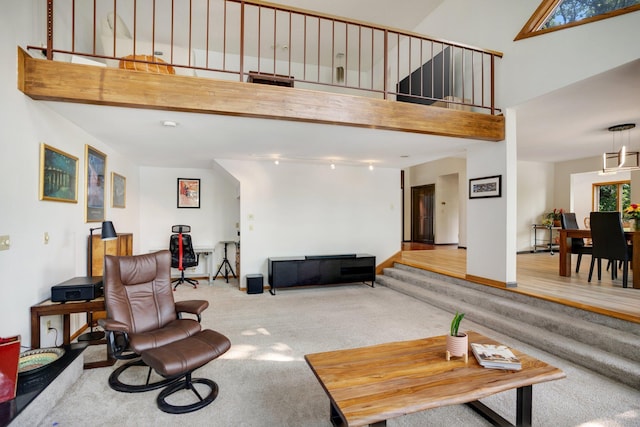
[5,243]
[46,238]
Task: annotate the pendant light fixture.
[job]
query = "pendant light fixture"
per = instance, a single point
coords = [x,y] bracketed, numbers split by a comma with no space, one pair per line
[624,158]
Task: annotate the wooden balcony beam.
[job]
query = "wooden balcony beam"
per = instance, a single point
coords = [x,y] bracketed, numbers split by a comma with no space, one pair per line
[61,81]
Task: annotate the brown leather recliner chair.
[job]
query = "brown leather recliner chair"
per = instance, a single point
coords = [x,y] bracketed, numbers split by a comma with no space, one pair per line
[145,324]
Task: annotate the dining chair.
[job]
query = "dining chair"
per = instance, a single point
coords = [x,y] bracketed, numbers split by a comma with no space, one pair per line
[610,243]
[569,222]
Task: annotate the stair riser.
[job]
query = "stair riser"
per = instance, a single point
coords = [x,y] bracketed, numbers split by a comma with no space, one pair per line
[538,303]
[608,321]
[625,345]
[628,373]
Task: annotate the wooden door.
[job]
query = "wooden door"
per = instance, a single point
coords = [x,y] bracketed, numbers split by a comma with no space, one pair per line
[422,201]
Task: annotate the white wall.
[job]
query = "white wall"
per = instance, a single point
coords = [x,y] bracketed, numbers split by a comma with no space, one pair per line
[30,267]
[535,196]
[304,209]
[447,210]
[213,222]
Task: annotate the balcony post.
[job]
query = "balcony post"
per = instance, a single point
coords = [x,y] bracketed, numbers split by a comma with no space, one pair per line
[386,62]
[49,30]
[493,82]
[241,40]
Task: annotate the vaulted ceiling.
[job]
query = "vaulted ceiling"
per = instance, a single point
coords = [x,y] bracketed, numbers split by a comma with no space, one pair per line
[567,124]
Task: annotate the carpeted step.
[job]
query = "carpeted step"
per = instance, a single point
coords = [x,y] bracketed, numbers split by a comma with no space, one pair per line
[545,316]
[592,317]
[482,310]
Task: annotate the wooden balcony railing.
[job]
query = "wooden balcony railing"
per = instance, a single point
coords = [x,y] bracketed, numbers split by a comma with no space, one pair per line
[254,41]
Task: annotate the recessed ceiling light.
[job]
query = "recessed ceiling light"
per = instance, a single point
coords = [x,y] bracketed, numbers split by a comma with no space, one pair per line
[169,123]
[404,156]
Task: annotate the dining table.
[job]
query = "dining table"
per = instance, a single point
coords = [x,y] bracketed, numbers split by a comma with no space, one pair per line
[565,251]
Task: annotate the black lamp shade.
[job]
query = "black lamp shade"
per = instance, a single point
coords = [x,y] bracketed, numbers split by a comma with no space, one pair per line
[108,231]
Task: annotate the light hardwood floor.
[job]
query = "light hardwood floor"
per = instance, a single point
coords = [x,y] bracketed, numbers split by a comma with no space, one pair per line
[537,275]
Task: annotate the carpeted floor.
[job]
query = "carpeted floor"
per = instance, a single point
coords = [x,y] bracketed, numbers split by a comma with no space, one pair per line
[264,380]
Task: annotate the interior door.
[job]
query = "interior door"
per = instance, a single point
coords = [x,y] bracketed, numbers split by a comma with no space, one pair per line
[422,201]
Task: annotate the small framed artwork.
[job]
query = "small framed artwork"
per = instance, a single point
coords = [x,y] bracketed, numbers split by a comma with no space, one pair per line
[95,171]
[118,190]
[58,175]
[188,192]
[482,188]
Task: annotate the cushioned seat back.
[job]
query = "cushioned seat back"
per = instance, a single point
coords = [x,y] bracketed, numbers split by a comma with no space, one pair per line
[189,258]
[609,241]
[137,290]
[569,222]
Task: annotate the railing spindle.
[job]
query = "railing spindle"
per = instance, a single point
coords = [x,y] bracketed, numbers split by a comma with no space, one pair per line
[456,70]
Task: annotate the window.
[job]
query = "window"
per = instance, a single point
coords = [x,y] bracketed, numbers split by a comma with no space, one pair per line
[554,15]
[611,196]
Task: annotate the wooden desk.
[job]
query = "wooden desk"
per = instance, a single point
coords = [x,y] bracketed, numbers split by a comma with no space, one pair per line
[49,308]
[565,252]
[369,385]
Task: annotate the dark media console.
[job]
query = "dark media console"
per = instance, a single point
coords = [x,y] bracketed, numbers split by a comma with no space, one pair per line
[321,270]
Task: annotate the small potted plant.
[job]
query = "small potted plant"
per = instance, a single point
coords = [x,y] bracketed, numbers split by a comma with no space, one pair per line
[457,342]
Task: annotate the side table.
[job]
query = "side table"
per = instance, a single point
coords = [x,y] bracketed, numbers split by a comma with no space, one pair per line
[49,308]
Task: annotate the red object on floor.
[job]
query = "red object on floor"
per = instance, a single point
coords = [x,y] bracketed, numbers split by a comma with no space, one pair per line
[9,356]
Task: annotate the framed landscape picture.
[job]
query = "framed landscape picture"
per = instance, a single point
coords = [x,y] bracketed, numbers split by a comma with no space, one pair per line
[95,170]
[188,192]
[118,190]
[489,186]
[58,175]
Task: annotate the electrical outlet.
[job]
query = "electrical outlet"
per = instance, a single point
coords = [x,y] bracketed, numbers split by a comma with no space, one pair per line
[49,326]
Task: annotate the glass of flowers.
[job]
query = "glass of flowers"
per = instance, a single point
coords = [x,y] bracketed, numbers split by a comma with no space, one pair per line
[633,212]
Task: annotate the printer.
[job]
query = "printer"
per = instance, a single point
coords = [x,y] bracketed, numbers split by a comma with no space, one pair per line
[77,289]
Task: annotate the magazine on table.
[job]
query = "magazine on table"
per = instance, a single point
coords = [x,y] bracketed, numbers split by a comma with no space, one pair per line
[495,356]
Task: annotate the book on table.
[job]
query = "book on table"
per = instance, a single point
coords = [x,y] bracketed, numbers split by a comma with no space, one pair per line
[496,356]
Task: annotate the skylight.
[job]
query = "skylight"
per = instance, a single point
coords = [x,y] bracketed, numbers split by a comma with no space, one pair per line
[554,15]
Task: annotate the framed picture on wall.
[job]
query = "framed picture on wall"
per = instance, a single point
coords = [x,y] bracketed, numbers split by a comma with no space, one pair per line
[188,192]
[118,190]
[489,186]
[58,175]
[95,170]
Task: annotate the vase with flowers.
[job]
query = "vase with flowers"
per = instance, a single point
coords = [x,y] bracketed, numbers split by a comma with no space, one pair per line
[633,212]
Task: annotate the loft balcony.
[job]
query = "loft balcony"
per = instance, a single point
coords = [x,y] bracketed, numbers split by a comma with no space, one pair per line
[255,59]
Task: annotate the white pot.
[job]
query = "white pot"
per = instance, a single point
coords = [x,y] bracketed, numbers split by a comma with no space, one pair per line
[458,346]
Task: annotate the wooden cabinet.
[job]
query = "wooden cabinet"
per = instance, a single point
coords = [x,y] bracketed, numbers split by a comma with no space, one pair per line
[98,248]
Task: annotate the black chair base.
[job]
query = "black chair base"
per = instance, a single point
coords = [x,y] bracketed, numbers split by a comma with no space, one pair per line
[187,384]
[117,385]
[183,279]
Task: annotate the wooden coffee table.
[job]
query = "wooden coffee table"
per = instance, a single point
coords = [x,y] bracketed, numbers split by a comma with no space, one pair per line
[370,385]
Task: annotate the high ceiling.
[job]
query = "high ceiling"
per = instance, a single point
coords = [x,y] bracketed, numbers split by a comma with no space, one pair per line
[567,124]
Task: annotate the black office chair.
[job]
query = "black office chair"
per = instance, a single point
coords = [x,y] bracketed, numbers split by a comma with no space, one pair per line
[569,222]
[610,243]
[182,253]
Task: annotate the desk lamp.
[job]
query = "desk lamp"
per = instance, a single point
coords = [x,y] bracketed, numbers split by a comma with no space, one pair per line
[108,233]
